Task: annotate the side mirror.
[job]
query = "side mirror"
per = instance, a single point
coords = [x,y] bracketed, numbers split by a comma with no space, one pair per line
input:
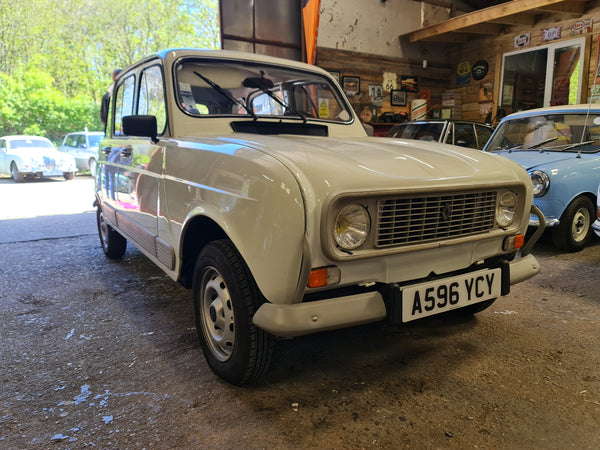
[144,126]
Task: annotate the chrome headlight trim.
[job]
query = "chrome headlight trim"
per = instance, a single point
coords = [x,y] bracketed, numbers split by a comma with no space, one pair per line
[507,208]
[540,181]
[352,226]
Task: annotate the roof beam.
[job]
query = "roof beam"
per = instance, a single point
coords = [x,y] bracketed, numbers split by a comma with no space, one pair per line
[493,13]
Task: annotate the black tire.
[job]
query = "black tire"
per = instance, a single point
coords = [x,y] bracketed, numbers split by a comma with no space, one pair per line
[16,175]
[69,175]
[225,298]
[92,165]
[113,244]
[575,227]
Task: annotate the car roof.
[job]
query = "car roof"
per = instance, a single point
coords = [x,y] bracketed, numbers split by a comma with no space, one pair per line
[23,136]
[564,109]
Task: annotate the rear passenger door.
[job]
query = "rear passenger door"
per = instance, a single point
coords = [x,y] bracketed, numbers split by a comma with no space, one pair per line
[141,161]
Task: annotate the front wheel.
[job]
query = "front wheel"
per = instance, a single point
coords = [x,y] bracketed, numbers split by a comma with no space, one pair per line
[15,174]
[113,244]
[69,175]
[225,298]
[575,227]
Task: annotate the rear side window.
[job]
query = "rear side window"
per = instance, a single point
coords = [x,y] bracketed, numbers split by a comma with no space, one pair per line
[152,96]
[123,103]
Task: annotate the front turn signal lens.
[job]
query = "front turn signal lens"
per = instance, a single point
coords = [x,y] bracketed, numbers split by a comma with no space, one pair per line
[513,242]
[324,276]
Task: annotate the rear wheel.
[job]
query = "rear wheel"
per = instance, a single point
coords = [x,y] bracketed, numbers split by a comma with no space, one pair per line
[575,227]
[69,175]
[113,244]
[14,172]
[225,298]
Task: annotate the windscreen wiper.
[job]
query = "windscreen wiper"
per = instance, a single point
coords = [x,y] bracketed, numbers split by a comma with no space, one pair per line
[225,94]
[264,84]
[576,144]
[539,144]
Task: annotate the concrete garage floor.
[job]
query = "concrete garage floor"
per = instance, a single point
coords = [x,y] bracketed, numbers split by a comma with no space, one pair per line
[101,354]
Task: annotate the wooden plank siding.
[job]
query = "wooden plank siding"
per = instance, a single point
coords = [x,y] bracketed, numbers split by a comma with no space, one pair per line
[440,77]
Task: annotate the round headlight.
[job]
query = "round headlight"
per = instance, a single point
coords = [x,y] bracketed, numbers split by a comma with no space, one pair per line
[507,207]
[540,181]
[352,226]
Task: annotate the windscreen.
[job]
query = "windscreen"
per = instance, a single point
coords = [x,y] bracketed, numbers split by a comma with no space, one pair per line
[553,132]
[208,88]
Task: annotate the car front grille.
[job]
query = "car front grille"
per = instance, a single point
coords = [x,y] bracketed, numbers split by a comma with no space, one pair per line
[412,220]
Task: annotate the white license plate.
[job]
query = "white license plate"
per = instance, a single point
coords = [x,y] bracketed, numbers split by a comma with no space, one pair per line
[435,297]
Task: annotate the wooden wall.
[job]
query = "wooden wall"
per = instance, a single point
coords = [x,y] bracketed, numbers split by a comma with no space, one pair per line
[439,78]
[370,69]
[491,50]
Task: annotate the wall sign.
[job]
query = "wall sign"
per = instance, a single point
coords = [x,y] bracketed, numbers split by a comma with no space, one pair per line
[351,85]
[522,40]
[463,73]
[389,81]
[581,26]
[480,70]
[550,34]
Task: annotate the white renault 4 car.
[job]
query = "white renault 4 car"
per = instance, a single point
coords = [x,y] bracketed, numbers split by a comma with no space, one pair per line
[251,180]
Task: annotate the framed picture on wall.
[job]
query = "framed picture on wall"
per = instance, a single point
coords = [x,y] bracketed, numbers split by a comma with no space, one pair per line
[351,85]
[398,97]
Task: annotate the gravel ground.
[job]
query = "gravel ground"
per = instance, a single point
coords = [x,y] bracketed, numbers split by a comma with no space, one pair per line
[102,354]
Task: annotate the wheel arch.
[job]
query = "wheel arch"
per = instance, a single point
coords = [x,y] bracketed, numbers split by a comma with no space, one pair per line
[199,232]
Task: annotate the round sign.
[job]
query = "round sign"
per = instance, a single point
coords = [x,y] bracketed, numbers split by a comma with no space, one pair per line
[480,70]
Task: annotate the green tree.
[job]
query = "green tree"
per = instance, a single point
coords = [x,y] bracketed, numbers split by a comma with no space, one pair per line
[56,56]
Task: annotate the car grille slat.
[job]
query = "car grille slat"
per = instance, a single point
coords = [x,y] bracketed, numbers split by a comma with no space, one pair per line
[410,220]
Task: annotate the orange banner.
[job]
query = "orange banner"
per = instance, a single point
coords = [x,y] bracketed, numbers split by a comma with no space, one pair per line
[310,19]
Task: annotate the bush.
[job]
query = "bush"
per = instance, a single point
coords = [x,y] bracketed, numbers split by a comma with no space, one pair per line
[29,104]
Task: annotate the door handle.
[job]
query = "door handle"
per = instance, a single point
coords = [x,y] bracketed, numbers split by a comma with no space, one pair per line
[126,152]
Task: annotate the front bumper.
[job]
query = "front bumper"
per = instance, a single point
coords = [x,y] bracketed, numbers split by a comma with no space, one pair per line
[289,320]
[596,227]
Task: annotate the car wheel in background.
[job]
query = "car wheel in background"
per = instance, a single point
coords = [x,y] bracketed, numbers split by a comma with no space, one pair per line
[113,244]
[92,166]
[16,175]
[225,298]
[575,229]
[69,175]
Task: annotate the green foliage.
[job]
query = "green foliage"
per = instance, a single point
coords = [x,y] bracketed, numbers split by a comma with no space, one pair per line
[56,56]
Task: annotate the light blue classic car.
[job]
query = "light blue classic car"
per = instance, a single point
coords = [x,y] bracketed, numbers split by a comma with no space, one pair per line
[560,149]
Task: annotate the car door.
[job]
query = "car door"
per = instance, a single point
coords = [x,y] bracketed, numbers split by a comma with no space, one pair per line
[109,179]
[141,161]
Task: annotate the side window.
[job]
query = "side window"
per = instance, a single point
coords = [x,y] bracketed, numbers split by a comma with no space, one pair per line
[71,141]
[2,145]
[464,135]
[152,96]
[123,103]
[483,135]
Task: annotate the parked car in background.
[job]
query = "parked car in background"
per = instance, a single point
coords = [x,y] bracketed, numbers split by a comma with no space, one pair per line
[596,224]
[560,148]
[83,146]
[251,180]
[34,157]
[463,133]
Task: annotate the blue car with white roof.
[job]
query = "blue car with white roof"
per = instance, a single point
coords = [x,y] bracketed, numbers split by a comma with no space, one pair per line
[560,149]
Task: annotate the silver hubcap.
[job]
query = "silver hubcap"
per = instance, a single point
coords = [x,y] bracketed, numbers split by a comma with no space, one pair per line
[580,224]
[218,324]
